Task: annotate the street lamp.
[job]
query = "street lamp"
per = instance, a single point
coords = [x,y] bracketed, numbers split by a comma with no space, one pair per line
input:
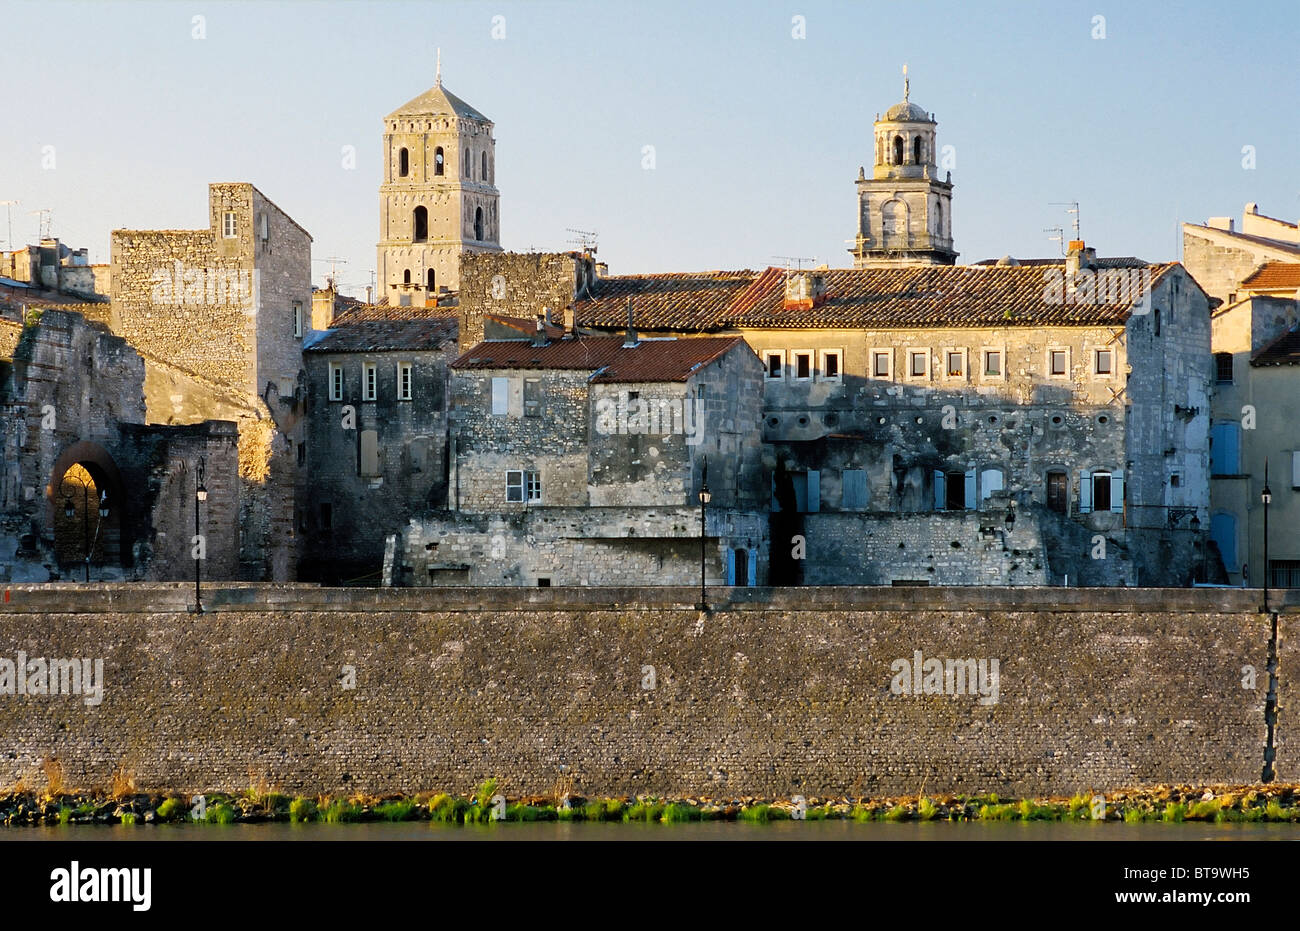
[1266,496]
[200,495]
[705,498]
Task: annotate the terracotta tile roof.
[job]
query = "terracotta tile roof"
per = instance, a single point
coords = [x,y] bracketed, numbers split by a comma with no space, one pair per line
[1105,261]
[662,302]
[525,327]
[1285,350]
[886,298]
[1274,276]
[358,311]
[648,361]
[386,335]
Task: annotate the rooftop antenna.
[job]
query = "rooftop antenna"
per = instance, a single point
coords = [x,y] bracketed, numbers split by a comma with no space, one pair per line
[1059,238]
[334,261]
[438,77]
[1074,209]
[9,205]
[47,218]
[586,239]
[795,260]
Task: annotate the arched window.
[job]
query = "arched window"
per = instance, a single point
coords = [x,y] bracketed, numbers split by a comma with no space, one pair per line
[938,218]
[893,224]
[469,167]
[403,163]
[898,150]
[478,223]
[437,161]
[916,151]
[432,279]
[406,276]
[482,175]
[420,224]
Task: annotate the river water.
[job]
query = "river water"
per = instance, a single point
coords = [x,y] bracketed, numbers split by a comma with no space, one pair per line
[698,831]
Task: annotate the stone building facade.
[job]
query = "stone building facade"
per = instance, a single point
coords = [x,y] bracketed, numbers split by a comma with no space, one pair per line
[438,199]
[579,461]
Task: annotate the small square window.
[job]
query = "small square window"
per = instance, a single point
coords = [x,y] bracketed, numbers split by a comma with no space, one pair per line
[1057,362]
[802,366]
[880,363]
[993,363]
[514,485]
[918,363]
[956,363]
[831,369]
[1103,363]
[775,362]
[1223,368]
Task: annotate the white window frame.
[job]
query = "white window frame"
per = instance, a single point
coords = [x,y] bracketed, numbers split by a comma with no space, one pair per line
[515,484]
[1097,352]
[963,355]
[768,355]
[924,354]
[500,392]
[526,484]
[297,319]
[533,486]
[369,381]
[838,356]
[794,364]
[1048,359]
[889,362]
[405,381]
[336,384]
[230,225]
[1001,353]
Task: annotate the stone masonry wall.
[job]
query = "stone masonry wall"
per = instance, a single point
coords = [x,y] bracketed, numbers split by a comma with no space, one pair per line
[747,699]
[517,285]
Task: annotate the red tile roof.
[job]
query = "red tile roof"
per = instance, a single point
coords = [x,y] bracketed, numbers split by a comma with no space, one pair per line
[358,311]
[649,360]
[524,326]
[1274,276]
[886,298]
[381,335]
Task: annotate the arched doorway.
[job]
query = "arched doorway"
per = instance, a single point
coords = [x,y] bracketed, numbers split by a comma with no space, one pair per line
[86,503]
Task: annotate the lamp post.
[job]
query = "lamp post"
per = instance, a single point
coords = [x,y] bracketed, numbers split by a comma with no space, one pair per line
[705,498]
[200,495]
[1266,496]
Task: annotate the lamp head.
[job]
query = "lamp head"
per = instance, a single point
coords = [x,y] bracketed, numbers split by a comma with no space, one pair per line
[201,493]
[68,509]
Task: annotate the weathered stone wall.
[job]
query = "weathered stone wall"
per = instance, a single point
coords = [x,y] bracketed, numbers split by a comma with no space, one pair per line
[517,285]
[791,693]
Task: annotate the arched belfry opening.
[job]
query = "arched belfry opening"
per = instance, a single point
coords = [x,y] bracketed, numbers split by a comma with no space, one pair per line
[898,150]
[478,223]
[87,504]
[420,224]
[917,151]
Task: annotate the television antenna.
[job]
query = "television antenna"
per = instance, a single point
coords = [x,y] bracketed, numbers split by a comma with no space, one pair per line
[9,213]
[587,239]
[795,260]
[1074,209]
[47,219]
[1059,238]
[334,261]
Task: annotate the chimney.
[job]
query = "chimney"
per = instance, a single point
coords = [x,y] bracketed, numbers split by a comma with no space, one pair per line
[804,290]
[602,270]
[1075,258]
[539,334]
[630,340]
[570,320]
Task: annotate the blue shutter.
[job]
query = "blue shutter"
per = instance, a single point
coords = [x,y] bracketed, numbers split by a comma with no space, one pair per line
[1085,492]
[1117,491]
[939,495]
[731,566]
[753,567]
[970,489]
[814,491]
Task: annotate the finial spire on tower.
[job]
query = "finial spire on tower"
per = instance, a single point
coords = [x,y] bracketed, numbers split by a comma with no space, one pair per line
[906,84]
[438,78]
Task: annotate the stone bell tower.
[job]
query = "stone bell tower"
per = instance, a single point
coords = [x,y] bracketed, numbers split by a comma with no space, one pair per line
[438,198]
[904,209]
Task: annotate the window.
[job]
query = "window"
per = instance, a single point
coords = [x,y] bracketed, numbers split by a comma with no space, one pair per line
[1225,448]
[369,381]
[1101,491]
[831,364]
[954,491]
[1058,491]
[229,227]
[482,175]
[478,223]
[1223,368]
[523,485]
[918,363]
[263,227]
[1284,573]
[802,366]
[533,397]
[1102,364]
[1058,363]
[336,382]
[431,279]
[403,381]
[420,224]
[898,150]
[403,163]
[853,490]
[956,363]
[297,319]
[991,482]
[368,466]
[438,161]
[992,363]
[469,167]
[916,151]
[500,396]
[543,583]
[775,362]
[881,363]
[406,276]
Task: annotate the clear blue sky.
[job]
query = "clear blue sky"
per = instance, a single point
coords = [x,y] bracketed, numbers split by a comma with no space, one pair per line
[758,136]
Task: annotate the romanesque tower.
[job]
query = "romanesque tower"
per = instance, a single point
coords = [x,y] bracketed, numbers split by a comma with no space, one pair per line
[904,210]
[438,198]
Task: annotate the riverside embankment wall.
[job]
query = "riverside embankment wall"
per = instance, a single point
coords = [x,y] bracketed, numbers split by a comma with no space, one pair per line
[772,692]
